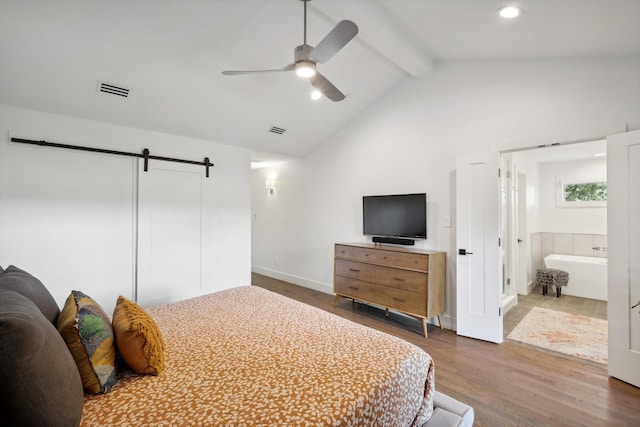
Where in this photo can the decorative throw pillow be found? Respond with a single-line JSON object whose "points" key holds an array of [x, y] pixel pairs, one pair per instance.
{"points": [[138, 338], [88, 333], [40, 383], [17, 280]]}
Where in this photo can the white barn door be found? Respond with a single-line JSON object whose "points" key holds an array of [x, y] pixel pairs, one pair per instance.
{"points": [[478, 292], [171, 202], [623, 228]]}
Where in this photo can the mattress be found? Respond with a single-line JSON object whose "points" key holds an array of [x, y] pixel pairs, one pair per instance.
{"points": [[250, 357]]}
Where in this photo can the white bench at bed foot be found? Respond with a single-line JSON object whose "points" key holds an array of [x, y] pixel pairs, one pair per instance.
{"points": [[449, 412]]}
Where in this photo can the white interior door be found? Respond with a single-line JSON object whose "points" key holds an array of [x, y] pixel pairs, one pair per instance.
{"points": [[623, 228], [522, 239], [507, 227], [170, 232], [478, 292]]}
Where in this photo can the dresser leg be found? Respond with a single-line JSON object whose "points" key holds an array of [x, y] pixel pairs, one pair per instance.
{"points": [[440, 321], [424, 328], [335, 301]]}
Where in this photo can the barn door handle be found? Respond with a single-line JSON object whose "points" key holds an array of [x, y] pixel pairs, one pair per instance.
{"points": [[464, 252]]}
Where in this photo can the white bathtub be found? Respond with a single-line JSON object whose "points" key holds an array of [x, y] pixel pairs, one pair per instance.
{"points": [[587, 275]]}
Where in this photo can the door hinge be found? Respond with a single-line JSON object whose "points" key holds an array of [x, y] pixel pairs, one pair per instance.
{"points": [[499, 311], [498, 242], [508, 281], [498, 172]]}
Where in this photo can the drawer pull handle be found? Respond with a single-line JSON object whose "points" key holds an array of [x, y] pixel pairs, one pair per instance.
{"points": [[353, 287], [355, 270], [398, 299], [397, 279]]}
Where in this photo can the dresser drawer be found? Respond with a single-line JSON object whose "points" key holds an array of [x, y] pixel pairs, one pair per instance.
{"points": [[356, 254], [401, 300], [356, 270], [384, 296], [355, 288], [411, 281], [404, 260]]}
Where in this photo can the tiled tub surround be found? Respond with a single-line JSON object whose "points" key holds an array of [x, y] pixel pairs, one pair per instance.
{"points": [[543, 244]]}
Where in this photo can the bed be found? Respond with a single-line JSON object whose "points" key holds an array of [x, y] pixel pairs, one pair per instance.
{"points": [[248, 356], [240, 357]]}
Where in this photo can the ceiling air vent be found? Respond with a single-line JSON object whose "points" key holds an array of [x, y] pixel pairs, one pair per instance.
{"points": [[113, 89], [275, 129]]}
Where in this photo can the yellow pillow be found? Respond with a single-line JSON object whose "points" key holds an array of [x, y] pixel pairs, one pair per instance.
{"points": [[138, 338]]}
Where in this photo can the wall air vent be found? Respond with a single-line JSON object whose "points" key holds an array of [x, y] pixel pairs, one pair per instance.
{"points": [[275, 129], [113, 89]]}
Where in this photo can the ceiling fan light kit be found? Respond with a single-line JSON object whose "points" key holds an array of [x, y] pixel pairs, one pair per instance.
{"points": [[510, 12], [305, 69], [306, 57]]}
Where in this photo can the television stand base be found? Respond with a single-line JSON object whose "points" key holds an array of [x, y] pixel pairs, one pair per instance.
{"points": [[394, 240]]}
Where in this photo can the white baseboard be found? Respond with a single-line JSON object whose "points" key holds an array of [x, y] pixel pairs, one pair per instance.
{"points": [[448, 322], [509, 302], [529, 287], [296, 280]]}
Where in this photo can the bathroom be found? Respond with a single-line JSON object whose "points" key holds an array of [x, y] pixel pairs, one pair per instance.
{"points": [[548, 222]]}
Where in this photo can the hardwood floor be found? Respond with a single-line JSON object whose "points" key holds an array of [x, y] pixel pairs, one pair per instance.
{"points": [[509, 384]]}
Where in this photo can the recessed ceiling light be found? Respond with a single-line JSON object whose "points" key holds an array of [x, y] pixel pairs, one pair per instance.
{"points": [[316, 94], [510, 12]]}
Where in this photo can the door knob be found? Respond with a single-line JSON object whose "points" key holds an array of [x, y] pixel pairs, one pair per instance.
{"points": [[520, 240], [464, 252]]}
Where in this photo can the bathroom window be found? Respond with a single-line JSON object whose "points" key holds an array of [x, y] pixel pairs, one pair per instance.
{"points": [[582, 194]]}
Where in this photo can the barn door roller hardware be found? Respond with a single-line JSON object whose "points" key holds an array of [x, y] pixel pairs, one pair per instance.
{"points": [[144, 155]]}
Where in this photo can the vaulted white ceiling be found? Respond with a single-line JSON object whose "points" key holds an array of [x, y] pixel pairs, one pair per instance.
{"points": [[171, 55]]}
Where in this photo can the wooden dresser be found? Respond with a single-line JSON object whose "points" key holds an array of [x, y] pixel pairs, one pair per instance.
{"points": [[410, 281]]}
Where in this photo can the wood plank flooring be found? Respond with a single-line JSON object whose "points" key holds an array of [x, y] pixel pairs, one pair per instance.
{"points": [[509, 384]]}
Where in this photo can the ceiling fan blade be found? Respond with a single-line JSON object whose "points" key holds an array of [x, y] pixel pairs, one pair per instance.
{"points": [[289, 67], [321, 83], [334, 41]]}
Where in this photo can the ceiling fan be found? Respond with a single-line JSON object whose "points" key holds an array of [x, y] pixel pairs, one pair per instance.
{"points": [[305, 57]]}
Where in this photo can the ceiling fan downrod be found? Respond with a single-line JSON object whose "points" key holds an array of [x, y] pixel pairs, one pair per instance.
{"points": [[305, 21]]}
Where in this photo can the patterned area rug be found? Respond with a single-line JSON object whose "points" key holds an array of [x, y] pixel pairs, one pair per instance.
{"points": [[579, 336]]}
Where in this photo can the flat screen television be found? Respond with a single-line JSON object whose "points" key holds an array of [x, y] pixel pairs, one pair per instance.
{"points": [[399, 215]]}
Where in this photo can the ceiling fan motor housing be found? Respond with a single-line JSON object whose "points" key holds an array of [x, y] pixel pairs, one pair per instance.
{"points": [[301, 53]]}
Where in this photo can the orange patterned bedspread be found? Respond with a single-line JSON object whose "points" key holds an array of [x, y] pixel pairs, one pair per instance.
{"points": [[249, 357]]}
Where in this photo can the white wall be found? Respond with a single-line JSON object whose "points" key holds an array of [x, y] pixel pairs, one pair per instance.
{"points": [[408, 142], [67, 217], [531, 169], [562, 219]]}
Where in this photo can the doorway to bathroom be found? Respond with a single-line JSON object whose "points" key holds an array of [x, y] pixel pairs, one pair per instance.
{"points": [[539, 221]]}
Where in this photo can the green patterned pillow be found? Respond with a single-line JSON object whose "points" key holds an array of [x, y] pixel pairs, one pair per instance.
{"points": [[88, 333]]}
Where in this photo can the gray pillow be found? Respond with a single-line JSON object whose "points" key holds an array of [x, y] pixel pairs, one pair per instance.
{"points": [[17, 280], [40, 383]]}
